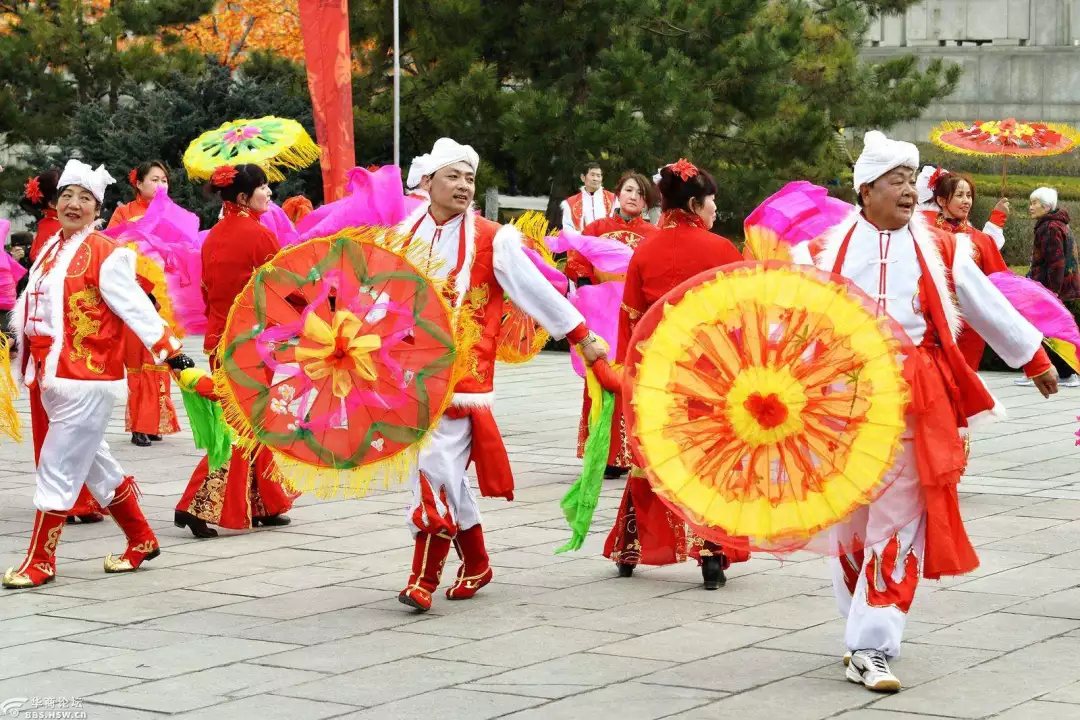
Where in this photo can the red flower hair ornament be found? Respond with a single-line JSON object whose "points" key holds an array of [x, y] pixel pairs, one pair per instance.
{"points": [[223, 177], [133, 177], [684, 169], [33, 190], [938, 174]]}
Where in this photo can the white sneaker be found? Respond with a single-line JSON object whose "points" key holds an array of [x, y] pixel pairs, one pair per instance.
{"points": [[1072, 382], [870, 668], [1024, 382]]}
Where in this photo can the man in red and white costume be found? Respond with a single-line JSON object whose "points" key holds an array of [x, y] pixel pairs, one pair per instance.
{"points": [[913, 272], [592, 203], [70, 321], [481, 262]]}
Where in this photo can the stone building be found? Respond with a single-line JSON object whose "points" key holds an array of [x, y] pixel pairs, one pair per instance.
{"points": [[1021, 58]]}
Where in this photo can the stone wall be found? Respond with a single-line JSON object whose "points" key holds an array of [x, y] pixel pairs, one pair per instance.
{"points": [[1021, 58]]}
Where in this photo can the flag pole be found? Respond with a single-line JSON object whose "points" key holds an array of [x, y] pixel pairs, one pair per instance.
{"points": [[397, 84]]}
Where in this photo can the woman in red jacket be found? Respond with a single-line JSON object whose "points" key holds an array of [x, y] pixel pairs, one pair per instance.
{"points": [[150, 411], [241, 494], [636, 194], [646, 531], [39, 200], [954, 195], [146, 179]]}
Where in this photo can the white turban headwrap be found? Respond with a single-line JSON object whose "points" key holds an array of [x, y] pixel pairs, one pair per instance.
{"points": [[447, 152], [417, 171], [929, 174], [881, 155], [79, 173]]}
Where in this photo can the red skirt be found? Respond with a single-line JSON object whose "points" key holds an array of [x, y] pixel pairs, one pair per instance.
{"points": [[150, 407], [646, 532], [619, 453], [230, 496]]}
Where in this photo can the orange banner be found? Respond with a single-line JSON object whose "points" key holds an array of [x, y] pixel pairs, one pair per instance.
{"points": [[325, 27]]}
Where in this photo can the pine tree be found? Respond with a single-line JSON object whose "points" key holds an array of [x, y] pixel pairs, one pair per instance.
{"points": [[159, 123], [754, 90]]}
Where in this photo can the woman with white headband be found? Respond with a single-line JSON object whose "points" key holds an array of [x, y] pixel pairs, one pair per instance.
{"points": [[70, 322]]}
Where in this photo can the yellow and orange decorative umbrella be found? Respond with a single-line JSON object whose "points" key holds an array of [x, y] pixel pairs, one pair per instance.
{"points": [[767, 401], [272, 143], [1006, 138]]}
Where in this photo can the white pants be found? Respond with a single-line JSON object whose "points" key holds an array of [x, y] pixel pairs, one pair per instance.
{"points": [[895, 526], [443, 462], [75, 452]]}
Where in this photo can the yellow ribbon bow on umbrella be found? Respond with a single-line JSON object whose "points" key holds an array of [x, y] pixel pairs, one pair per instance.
{"points": [[338, 351]]}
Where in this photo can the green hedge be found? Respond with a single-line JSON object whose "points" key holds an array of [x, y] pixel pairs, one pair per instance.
{"points": [[1018, 186]]}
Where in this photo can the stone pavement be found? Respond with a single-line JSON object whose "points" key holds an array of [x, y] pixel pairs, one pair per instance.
{"points": [[303, 621]]}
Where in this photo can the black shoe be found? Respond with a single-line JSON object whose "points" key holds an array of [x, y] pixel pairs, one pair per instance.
{"points": [[154, 438], [271, 521], [198, 527], [85, 519], [140, 440], [712, 572], [613, 472], [626, 570]]}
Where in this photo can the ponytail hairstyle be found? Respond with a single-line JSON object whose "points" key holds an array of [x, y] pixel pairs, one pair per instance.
{"points": [[40, 192], [232, 181], [680, 183]]}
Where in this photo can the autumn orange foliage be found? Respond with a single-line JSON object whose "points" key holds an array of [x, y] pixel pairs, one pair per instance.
{"points": [[237, 28]]}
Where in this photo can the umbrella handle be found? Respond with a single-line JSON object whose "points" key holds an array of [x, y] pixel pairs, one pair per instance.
{"points": [[609, 379]]}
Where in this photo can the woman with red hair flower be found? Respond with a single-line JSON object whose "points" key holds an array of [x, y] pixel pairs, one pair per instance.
{"points": [[147, 179], [645, 530], [39, 200], [242, 494]]}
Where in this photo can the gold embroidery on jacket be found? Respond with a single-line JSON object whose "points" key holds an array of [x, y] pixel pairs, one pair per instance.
{"points": [[79, 306]]}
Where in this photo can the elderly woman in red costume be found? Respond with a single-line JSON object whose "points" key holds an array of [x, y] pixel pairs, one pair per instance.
{"points": [[82, 293], [629, 226], [242, 494], [646, 531], [40, 200], [953, 196], [150, 411]]}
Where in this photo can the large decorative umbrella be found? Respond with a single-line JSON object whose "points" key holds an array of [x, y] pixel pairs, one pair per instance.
{"points": [[1005, 138], [767, 401], [338, 357], [270, 142]]}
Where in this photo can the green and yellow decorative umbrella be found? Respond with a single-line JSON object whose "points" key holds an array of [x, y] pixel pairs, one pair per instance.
{"points": [[270, 142]]}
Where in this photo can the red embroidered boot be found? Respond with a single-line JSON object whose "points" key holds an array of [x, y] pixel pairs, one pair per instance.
{"points": [[429, 556], [142, 544], [40, 564], [475, 571]]}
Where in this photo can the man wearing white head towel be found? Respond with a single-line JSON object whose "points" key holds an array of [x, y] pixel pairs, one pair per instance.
{"points": [[417, 171], [482, 263], [913, 272], [70, 321]]}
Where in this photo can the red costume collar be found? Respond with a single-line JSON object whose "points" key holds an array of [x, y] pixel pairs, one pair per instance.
{"points": [[681, 218], [953, 226], [231, 209]]}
